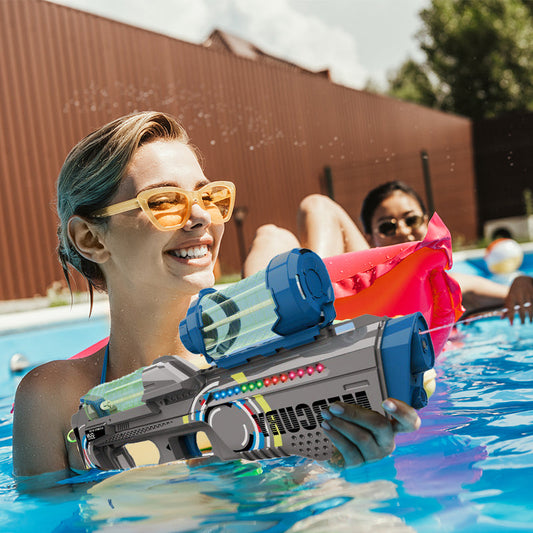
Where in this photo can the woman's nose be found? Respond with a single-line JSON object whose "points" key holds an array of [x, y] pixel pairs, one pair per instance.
{"points": [[199, 216], [404, 229]]}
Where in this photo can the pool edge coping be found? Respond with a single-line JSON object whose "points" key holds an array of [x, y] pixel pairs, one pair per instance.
{"points": [[18, 322]]}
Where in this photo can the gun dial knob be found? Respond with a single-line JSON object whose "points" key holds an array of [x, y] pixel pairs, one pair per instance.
{"points": [[234, 425]]}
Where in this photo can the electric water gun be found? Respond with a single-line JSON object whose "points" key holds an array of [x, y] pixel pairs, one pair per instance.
{"points": [[277, 360]]}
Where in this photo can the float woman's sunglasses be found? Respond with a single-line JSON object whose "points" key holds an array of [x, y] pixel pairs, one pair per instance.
{"points": [[389, 228], [169, 208]]}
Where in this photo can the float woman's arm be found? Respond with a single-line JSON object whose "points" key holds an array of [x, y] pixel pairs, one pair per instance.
{"points": [[520, 295]]}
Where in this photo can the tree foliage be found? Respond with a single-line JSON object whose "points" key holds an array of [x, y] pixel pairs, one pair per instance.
{"points": [[479, 58]]}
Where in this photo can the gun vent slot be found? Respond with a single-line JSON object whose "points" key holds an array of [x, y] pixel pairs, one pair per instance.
{"points": [[357, 385], [133, 433], [122, 426]]}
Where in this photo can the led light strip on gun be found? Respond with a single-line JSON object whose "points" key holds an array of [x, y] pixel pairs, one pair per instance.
{"points": [[277, 359]]}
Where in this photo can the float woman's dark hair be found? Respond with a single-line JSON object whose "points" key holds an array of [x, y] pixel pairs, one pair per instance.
{"points": [[92, 173], [377, 195]]}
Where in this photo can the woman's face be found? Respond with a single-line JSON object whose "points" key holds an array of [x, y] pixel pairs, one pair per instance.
{"points": [[398, 219], [165, 263]]}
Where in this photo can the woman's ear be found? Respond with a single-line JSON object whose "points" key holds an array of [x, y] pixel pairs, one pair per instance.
{"points": [[87, 239]]}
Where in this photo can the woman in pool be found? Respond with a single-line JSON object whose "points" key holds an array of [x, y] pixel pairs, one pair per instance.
{"points": [[392, 213], [120, 196]]}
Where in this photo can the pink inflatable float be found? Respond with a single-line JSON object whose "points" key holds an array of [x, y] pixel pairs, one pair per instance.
{"points": [[400, 279]]}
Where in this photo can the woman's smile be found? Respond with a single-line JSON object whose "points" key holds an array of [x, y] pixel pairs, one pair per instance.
{"points": [[194, 253]]}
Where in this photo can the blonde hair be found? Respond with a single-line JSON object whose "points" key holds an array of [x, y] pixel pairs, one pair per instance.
{"points": [[91, 175]]}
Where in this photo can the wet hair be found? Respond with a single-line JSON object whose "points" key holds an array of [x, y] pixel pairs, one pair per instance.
{"points": [[377, 195], [91, 175]]}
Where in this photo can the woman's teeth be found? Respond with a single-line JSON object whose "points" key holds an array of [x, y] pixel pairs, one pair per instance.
{"points": [[194, 252]]}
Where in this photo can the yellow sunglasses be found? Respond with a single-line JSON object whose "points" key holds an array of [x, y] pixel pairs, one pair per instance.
{"points": [[169, 208]]}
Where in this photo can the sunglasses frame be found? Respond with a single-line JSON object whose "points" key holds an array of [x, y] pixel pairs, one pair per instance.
{"points": [[141, 202], [396, 222]]}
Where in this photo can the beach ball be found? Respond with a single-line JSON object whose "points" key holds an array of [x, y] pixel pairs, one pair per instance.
{"points": [[503, 256]]}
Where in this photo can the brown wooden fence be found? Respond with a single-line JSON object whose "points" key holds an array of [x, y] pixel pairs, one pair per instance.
{"points": [[272, 130]]}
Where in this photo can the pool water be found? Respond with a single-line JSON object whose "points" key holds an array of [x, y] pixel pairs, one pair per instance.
{"points": [[468, 469]]}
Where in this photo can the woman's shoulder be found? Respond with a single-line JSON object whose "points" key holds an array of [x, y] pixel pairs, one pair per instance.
{"points": [[49, 395], [59, 378], [45, 374]]}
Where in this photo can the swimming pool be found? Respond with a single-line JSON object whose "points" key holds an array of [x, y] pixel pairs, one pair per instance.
{"points": [[468, 468]]}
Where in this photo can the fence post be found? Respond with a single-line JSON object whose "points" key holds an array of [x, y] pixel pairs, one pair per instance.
{"points": [[427, 182], [239, 214], [328, 177]]}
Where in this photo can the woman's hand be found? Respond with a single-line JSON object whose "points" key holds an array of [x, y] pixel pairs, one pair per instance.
{"points": [[361, 435], [520, 295]]}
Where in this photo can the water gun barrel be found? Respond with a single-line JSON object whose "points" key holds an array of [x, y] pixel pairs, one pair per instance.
{"points": [[402, 338]]}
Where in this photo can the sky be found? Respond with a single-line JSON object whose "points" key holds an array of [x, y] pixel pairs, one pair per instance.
{"points": [[355, 39]]}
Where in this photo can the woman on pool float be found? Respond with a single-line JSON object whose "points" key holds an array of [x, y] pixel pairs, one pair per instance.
{"points": [[139, 220], [392, 213]]}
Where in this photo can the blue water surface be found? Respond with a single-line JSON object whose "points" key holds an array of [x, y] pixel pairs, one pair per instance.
{"points": [[468, 469]]}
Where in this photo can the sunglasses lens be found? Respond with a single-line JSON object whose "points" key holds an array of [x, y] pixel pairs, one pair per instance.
{"points": [[388, 228], [169, 208], [218, 201], [414, 221]]}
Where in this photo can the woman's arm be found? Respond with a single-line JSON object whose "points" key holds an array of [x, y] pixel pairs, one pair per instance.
{"points": [[478, 291], [38, 422]]}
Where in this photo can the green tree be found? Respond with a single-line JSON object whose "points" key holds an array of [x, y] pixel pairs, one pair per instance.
{"points": [[479, 58], [412, 83]]}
